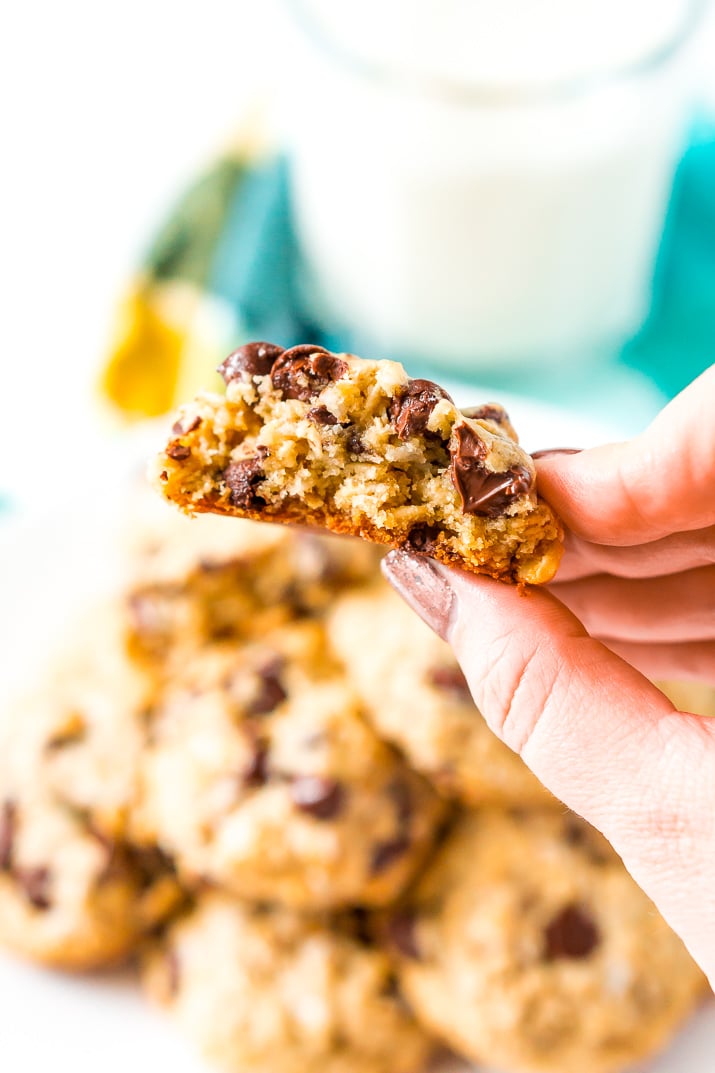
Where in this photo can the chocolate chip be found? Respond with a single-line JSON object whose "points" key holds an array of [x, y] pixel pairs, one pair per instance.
{"points": [[178, 451], [353, 442], [322, 416], [256, 771], [242, 477], [179, 429], [8, 828], [410, 409], [487, 413], [150, 862], [571, 934], [34, 883], [321, 798], [450, 679], [270, 691], [361, 926], [384, 854], [423, 538], [303, 371], [481, 491], [402, 934], [254, 359]]}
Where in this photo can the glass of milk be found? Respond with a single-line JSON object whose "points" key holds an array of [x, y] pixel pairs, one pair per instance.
{"points": [[485, 184]]}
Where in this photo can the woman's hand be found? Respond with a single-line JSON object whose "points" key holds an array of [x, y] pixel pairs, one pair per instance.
{"points": [[559, 674]]}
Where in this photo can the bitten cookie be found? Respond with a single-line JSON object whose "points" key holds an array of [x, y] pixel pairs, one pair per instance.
{"points": [[358, 447], [418, 699], [264, 777], [264, 990], [528, 946]]}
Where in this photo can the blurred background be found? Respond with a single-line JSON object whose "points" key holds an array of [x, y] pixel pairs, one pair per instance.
{"points": [[522, 202]]}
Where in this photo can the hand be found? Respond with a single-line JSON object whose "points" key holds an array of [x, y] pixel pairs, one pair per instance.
{"points": [[570, 695]]}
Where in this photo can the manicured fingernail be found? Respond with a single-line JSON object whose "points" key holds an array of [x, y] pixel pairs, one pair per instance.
{"points": [[423, 586], [548, 451]]}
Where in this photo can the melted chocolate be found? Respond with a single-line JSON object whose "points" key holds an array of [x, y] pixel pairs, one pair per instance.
{"points": [[253, 359], [481, 491], [303, 371], [410, 409], [242, 478]]}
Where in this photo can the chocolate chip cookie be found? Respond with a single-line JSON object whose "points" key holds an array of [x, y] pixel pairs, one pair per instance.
{"points": [[69, 897], [528, 946], [260, 991], [193, 581], [83, 726], [307, 436], [418, 699], [263, 776]]}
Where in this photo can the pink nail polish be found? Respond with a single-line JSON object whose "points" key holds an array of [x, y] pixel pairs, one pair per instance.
{"points": [[548, 451], [423, 586]]}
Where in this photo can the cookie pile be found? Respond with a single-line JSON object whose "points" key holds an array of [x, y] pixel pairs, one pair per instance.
{"points": [[258, 773]]}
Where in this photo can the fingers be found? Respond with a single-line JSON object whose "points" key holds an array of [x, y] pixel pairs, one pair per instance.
{"points": [[656, 484], [690, 661], [597, 733], [679, 607], [670, 555]]}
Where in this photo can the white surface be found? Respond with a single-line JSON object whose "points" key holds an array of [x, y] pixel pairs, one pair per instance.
{"points": [[50, 564]]}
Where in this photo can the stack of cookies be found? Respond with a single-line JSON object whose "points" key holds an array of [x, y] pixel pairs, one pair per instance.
{"points": [[257, 772]]}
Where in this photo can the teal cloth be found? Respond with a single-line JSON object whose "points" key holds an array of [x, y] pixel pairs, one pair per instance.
{"points": [[678, 340]]}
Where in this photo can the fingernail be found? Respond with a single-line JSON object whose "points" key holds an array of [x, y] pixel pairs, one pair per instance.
{"points": [[548, 451], [423, 586]]}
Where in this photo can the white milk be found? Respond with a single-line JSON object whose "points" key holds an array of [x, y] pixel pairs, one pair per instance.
{"points": [[486, 182]]}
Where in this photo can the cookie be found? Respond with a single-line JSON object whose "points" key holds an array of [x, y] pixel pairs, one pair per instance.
{"points": [[192, 581], [528, 946], [263, 776], [358, 447], [261, 990], [70, 898], [83, 726], [418, 699]]}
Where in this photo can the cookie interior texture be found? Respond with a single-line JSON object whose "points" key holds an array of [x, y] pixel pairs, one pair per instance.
{"points": [[358, 447]]}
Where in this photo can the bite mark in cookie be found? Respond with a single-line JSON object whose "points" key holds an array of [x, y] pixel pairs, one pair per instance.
{"points": [[309, 437]]}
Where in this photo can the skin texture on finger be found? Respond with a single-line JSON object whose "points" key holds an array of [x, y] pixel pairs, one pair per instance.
{"points": [[669, 555], [679, 607], [658, 483], [597, 734], [692, 661]]}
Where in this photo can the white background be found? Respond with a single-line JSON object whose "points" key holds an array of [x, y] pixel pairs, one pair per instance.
{"points": [[107, 110]]}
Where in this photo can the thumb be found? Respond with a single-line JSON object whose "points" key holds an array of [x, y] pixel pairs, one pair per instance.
{"points": [[600, 736]]}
